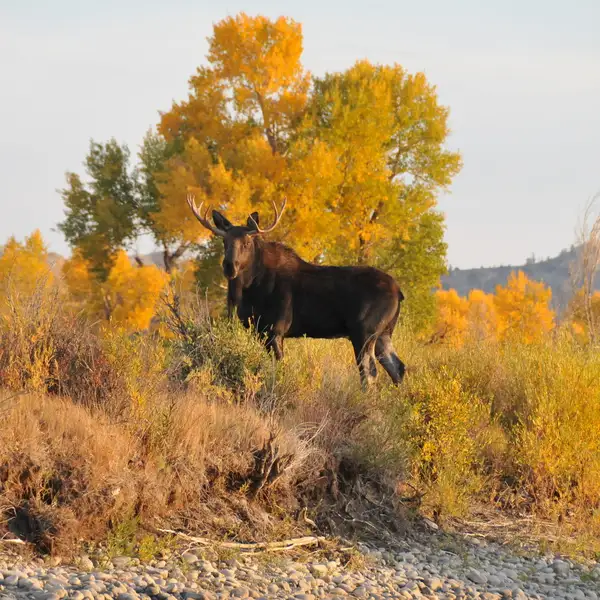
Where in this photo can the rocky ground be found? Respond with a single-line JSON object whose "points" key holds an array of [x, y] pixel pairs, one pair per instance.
{"points": [[417, 569]]}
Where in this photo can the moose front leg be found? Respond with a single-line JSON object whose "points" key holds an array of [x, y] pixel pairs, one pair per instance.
{"points": [[275, 343], [281, 312], [234, 296]]}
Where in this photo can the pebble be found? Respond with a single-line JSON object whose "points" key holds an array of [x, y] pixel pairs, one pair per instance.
{"points": [[418, 570]]}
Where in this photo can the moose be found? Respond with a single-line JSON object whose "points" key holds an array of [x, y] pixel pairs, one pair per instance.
{"points": [[283, 296]]}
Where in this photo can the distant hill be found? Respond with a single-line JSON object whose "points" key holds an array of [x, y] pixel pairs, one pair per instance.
{"points": [[554, 272]]}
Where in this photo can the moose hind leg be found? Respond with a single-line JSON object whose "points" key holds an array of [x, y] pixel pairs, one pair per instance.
{"points": [[387, 357], [365, 359]]}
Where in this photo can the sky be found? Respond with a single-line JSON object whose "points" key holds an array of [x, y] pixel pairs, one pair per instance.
{"points": [[521, 78]]}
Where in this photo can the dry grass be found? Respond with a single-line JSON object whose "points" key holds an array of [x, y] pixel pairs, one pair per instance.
{"points": [[70, 474], [118, 434]]}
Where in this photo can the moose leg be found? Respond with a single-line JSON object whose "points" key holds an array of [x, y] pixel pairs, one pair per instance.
{"points": [[234, 296], [275, 343], [365, 359], [387, 357]]}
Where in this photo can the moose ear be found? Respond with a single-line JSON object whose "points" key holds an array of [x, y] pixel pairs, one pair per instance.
{"points": [[252, 222], [220, 221]]}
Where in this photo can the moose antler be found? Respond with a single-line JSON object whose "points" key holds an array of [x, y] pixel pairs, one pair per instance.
{"points": [[278, 214], [203, 220]]}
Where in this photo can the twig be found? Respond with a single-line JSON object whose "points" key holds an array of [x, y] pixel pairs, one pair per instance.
{"points": [[20, 542], [255, 546]]}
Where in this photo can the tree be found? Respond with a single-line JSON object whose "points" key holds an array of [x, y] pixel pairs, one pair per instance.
{"points": [[153, 156], [452, 317], [360, 156], [24, 266], [584, 270], [101, 216], [129, 296], [523, 308], [482, 316], [386, 130], [132, 293], [584, 313], [360, 160]]}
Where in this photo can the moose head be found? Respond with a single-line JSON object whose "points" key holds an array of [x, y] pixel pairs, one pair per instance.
{"points": [[238, 240]]}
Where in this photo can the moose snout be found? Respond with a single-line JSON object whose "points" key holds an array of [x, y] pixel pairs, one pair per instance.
{"points": [[230, 269]]}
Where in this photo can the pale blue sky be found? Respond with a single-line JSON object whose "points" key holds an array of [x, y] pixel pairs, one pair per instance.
{"points": [[522, 79]]}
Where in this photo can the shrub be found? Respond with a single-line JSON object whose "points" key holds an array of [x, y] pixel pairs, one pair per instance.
{"points": [[27, 347], [443, 428], [220, 352]]}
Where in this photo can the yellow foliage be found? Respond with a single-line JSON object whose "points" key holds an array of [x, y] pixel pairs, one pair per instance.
{"points": [[523, 308], [24, 266], [346, 158], [133, 292], [519, 311], [452, 318], [482, 316], [445, 414], [585, 315], [77, 276], [129, 297], [194, 171], [262, 58]]}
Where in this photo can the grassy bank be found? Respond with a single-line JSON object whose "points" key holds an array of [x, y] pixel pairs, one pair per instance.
{"points": [[106, 437]]}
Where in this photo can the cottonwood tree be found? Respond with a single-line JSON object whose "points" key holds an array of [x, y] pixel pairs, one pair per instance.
{"points": [[128, 297], [360, 155], [24, 267], [523, 308]]}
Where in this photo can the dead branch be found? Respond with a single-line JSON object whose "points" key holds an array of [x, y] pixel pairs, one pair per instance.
{"points": [[585, 268], [269, 466], [280, 546]]}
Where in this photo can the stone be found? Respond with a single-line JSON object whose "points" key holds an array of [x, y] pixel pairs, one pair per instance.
{"points": [[319, 569], [511, 574], [560, 567], [339, 592], [434, 584], [476, 576], [121, 561]]}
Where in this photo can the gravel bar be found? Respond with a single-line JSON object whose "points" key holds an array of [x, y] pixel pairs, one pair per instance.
{"points": [[418, 570]]}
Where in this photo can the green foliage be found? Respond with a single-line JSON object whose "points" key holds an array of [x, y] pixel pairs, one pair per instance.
{"points": [[121, 539], [209, 273], [222, 351], [417, 263], [101, 216], [361, 157]]}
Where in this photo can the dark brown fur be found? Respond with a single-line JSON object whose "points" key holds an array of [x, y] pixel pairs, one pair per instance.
{"points": [[283, 296]]}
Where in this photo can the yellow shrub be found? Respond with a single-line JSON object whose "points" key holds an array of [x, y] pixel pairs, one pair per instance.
{"points": [[443, 428]]}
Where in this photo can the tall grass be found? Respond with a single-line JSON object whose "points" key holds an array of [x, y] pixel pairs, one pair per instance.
{"points": [[114, 427]]}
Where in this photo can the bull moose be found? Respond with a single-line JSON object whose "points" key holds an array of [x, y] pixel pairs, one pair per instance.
{"points": [[282, 295]]}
